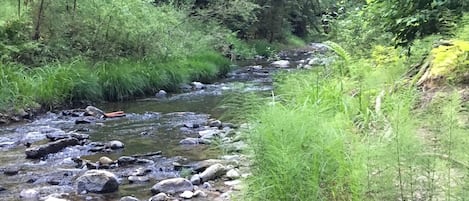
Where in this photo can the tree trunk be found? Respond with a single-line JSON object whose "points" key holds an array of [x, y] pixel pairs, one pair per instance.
{"points": [[19, 8], [37, 31]]}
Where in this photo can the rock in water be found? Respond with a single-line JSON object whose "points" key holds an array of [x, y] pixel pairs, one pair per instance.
{"points": [[213, 172], [172, 186], [197, 85], [161, 94], [281, 64], [115, 144], [159, 197], [29, 195], [129, 198], [94, 111], [97, 181], [105, 161]]}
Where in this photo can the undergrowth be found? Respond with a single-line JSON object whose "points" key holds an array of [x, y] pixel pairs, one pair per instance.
{"points": [[357, 130]]}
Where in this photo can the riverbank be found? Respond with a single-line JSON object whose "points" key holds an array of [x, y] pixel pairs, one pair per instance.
{"points": [[25, 91], [184, 137], [381, 127]]}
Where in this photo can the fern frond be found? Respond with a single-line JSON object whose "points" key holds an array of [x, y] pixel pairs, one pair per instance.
{"points": [[341, 52]]}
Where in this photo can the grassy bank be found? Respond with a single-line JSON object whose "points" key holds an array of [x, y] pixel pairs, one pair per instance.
{"points": [[360, 129], [81, 82]]}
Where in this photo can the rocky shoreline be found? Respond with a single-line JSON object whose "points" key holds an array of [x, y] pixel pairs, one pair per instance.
{"points": [[64, 159]]}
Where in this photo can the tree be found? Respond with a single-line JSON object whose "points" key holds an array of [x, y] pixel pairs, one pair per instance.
{"points": [[411, 19]]}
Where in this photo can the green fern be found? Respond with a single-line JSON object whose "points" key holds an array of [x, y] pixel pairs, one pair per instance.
{"points": [[341, 52]]}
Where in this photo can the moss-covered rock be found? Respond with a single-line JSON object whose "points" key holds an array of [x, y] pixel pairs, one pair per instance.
{"points": [[448, 62]]}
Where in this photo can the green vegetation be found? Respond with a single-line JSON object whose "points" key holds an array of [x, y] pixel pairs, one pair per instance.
{"points": [[363, 128], [386, 121], [61, 52]]}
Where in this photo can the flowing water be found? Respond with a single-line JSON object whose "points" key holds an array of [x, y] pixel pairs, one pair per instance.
{"points": [[150, 125]]}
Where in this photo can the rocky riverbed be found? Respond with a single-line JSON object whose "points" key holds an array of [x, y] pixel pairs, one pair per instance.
{"points": [[167, 147]]}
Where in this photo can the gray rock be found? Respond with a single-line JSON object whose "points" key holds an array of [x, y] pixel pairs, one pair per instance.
{"points": [[213, 172], [197, 85], [258, 67], [29, 195], [215, 123], [172, 186], [97, 181], [62, 135], [52, 147], [159, 197], [202, 165], [161, 94], [185, 87], [2, 188], [115, 144], [129, 198], [94, 111], [126, 160], [233, 174], [195, 179], [191, 125], [229, 125], [194, 141], [10, 171], [186, 195], [199, 193], [207, 185], [281, 64], [140, 172]]}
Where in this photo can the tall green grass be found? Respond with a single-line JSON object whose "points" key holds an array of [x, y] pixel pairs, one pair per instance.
{"points": [[81, 82], [360, 135]]}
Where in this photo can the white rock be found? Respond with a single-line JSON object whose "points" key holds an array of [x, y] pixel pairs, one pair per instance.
{"points": [[281, 63], [159, 197], [29, 195], [199, 193], [186, 195], [232, 183], [233, 174], [213, 172]]}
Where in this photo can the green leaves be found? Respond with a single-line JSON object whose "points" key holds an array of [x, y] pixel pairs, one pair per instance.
{"points": [[413, 19]]}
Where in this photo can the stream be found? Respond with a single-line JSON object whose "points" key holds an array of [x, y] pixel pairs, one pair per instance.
{"points": [[152, 133]]}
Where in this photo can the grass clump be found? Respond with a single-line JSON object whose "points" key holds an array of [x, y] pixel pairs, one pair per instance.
{"points": [[299, 156]]}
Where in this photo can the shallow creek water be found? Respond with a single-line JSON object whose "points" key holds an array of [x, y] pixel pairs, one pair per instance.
{"points": [[150, 125]]}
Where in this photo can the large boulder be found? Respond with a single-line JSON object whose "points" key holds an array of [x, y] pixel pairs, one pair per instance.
{"points": [[52, 147], [172, 186], [97, 181]]}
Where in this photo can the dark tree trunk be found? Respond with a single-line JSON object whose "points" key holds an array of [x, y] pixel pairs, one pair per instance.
{"points": [[37, 29], [19, 8]]}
